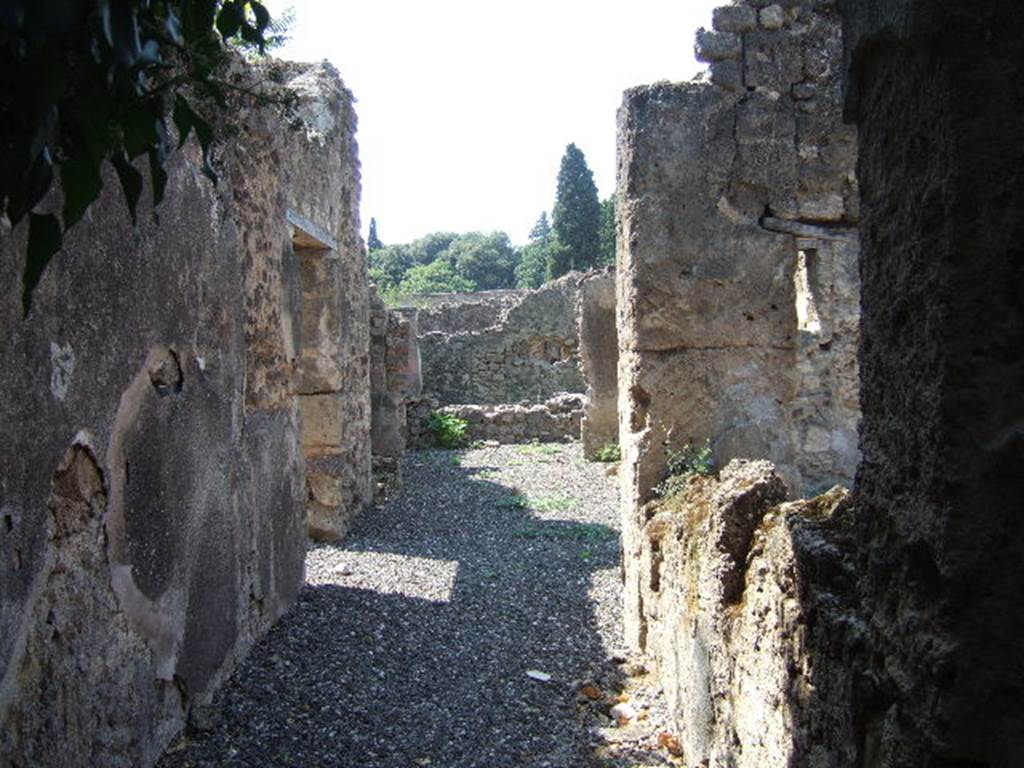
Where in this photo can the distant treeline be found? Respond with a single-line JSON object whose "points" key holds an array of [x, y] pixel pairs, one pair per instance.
{"points": [[581, 235]]}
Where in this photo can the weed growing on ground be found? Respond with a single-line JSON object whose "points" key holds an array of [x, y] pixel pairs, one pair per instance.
{"points": [[609, 452], [558, 502], [515, 501], [682, 465], [584, 532], [448, 429], [456, 460], [535, 446]]}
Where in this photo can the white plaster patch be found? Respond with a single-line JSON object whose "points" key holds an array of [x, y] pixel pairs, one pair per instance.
{"points": [[62, 365]]}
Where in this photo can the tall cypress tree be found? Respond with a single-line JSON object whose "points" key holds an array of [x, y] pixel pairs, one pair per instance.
{"points": [[373, 242], [577, 213]]}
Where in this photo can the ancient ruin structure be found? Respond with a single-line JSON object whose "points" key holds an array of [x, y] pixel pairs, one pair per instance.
{"points": [[395, 379], [935, 90], [502, 346], [156, 404], [599, 358], [867, 630]]}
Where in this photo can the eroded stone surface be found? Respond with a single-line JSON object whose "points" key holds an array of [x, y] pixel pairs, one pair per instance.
{"points": [[502, 346], [599, 358], [152, 517], [743, 598], [738, 284]]}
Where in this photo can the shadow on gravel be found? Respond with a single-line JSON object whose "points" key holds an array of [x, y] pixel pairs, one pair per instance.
{"points": [[374, 677]]}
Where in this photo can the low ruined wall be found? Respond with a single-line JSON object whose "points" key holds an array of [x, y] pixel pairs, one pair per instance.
{"points": [[152, 513], [462, 312], [743, 599], [492, 351], [557, 419], [599, 357], [737, 312]]}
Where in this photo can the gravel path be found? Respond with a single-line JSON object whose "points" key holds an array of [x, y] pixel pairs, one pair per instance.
{"points": [[472, 621]]}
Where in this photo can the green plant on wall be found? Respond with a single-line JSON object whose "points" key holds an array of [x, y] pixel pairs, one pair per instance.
{"points": [[609, 452], [683, 464], [448, 429]]}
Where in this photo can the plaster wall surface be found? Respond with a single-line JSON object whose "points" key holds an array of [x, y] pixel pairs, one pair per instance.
{"points": [[152, 492]]}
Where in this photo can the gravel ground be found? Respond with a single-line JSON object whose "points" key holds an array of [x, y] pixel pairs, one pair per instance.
{"points": [[472, 621]]}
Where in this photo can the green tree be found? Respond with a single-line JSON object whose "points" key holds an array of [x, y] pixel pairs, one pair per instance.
{"points": [[88, 82], [531, 270], [559, 260], [606, 233], [388, 265], [429, 247], [373, 242], [436, 277], [576, 216], [486, 260]]}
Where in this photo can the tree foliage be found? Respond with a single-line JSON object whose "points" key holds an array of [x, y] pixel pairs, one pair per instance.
{"points": [[533, 259], [436, 277], [606, 233], [576, 216], [472, 261], [92, 81], [373, 242]]}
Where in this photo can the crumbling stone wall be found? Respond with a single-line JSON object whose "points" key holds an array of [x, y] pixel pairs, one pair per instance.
{"points": [[394, 380], [555, 420], [152, 493], [935, 89], [599, 357], [744, 599], [493, 350], [737, 283], [461, 312]]}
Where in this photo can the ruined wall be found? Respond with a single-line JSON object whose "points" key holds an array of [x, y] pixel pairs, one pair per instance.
{"points": [[599, 358], [494, 351], [743, 599], [935, 89], [555, 420], [152, 498], [394, 379], [460, 312], [737, 279]]}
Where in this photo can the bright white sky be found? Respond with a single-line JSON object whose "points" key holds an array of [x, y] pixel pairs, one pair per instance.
{"points": [[466, 106]]}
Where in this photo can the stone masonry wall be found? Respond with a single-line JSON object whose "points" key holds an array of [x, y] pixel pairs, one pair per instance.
{"points": [[558, 419], [737, 277], [935, 89], [495, 350], [599, 356], [394, 380], [152, 494], [746, 601]]}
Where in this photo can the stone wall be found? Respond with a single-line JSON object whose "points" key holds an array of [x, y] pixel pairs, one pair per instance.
{"points": [[394, 379], [599, 357], [152, 494], [935, 89], [743, 600], [555, 420], [737, 284], [503, 347]]}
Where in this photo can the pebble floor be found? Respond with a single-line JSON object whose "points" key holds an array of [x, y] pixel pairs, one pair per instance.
{"points": [[473, 620]]}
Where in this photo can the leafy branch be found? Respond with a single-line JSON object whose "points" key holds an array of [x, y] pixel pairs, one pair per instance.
{"points": [[91, 81]]}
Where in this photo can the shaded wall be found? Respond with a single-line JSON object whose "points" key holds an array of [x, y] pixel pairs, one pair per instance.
{"points": [[152, 501], [935, 89]]}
